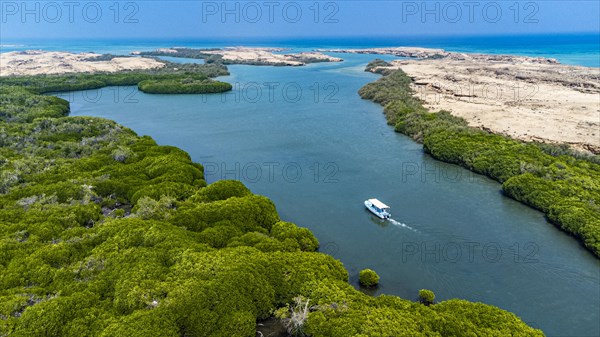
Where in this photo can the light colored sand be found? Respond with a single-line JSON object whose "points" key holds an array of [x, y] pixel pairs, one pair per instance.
{"points": [[36, 62], [521, 97], [558, 104], [269, 56], [397, 51], [422, 53]]}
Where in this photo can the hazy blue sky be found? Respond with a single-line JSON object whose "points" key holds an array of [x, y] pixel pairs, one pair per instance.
{"points": [[288, 19]]}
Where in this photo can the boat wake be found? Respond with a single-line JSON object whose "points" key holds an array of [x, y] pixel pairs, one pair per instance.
{"points": [[400, 224]]}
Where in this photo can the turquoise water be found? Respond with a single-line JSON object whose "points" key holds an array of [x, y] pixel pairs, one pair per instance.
{"points": [[304, 138], [577, 49]]}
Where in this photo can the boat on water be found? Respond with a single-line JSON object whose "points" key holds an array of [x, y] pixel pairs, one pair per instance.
{"points": [[378, 208]]}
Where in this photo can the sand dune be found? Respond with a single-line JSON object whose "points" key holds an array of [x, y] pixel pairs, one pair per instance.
{"points": [[36, 62]]}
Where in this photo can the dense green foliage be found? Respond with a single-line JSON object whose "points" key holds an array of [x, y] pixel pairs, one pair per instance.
{"points": [[71, 264], [566, 188], [185, 77], [105, 233], [183, 85], [374, 66], [368, 278], [189, 53], [426, 297], [338, 310]]}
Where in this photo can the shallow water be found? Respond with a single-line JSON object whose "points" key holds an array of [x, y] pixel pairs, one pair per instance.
{"points": [[303, 137]]}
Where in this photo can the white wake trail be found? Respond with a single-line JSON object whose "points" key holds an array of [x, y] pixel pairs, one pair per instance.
{"points": [[400, 224]]}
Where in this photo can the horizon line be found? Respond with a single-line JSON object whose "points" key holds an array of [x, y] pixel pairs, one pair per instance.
{"points": [[301, 37]]}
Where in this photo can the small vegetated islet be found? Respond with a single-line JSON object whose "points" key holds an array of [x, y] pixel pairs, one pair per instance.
{"points": [[368, 278]]}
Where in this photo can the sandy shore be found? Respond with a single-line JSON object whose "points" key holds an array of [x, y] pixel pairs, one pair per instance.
{"points": [[36, 62], [250, 55], [432, 53], [521, 97]]}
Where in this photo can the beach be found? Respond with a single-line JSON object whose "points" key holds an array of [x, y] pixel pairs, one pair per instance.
{"points": [[37, 62]]}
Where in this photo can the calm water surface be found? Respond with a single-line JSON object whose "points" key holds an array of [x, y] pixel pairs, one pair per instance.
{"points": [[304, 138]]}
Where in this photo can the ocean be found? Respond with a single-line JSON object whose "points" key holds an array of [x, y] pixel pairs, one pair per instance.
{"points": [[576, 49]]}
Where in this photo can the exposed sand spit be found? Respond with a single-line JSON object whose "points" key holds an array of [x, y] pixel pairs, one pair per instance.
{"points": [[249, 55], [37, 62]]}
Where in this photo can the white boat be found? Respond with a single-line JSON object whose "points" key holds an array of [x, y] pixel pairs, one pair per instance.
{"points": [[378, 208]]}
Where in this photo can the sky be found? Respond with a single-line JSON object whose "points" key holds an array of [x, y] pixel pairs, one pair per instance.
{"points": [[290, 19]]}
